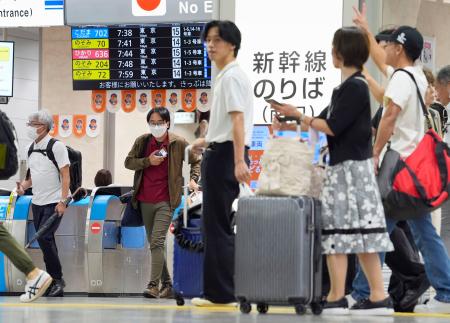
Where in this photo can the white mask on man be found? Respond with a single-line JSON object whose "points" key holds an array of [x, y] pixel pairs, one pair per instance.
{"points": [[32, 133], [158, 131]]}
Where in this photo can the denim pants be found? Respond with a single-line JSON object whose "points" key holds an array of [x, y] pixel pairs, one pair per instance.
{"points": [[434, 253]]}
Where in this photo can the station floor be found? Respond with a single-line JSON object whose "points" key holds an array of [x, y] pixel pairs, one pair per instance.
{"points": [[134, 310]]}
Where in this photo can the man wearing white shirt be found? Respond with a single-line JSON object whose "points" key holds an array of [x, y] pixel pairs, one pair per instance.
{"points": [[402, 124], [225, 161], [50, 180]]}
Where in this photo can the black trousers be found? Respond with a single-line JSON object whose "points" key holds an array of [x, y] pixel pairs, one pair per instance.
{"points": [[220, 189], [47, 242]]}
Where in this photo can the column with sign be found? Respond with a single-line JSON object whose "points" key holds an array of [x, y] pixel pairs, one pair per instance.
{"points": [[90, 54]]}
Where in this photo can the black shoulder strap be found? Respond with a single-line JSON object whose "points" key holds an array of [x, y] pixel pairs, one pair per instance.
{"points": [[50, 153], [30, 150], [422, 103]]}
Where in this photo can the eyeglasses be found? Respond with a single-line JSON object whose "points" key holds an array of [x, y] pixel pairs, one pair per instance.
{"points": [[158, 123], [34, 124]]}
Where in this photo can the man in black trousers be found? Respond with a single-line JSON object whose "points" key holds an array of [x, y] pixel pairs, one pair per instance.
{"points": [[225, 161]]}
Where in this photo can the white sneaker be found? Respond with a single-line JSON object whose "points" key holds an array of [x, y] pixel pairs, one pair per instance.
{"points": [[35, 288], [351, 301], [433, 306], [202, 302]]}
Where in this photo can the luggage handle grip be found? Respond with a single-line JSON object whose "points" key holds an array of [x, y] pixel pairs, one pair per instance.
{"points": [[186, 177]]}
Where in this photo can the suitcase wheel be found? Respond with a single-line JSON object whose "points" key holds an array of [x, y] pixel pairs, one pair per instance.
{"points": [[316, 308], [245, 307], [179, 299], [300, 309], [262, 308]]}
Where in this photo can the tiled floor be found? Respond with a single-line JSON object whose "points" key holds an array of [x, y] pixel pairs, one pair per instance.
{"points": [[134, 310]]}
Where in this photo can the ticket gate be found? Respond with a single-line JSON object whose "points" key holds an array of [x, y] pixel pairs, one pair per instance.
{"points": [[70, 239], [118, 257], [7, 201]]}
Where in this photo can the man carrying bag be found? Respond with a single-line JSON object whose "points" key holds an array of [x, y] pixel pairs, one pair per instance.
{"points": [[403, 126]]}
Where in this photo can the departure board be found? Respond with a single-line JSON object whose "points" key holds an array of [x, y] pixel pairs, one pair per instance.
{"points": [[160, 56]]}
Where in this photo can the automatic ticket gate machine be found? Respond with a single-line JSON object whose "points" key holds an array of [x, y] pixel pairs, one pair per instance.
{"points": [[70, 239], [118, 257], [7, 203]]}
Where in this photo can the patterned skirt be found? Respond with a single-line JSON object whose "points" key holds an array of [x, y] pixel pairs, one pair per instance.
{"points": [[352, 213]]}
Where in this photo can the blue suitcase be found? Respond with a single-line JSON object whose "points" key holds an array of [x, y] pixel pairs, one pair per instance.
{"points": [[188, 248]]}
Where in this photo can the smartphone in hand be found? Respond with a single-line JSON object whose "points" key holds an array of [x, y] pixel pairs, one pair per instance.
{"points": [[272, 101]]}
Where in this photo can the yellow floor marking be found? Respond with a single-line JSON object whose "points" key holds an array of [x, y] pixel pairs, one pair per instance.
{"points": [[273, 310]]}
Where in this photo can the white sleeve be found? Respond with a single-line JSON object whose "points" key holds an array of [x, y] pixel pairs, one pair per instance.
{"points": [[234, 95], [61, 154], [389, 71], [399, 89]]}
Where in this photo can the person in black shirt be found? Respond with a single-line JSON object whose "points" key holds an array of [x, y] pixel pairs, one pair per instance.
{"points": [[352, 214]]}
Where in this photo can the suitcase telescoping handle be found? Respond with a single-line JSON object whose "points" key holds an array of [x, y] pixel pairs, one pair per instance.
{"points": [[186, 172]]}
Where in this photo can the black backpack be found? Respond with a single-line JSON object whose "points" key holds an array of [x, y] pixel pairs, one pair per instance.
{"points": [[75, 163], [9, 163]]}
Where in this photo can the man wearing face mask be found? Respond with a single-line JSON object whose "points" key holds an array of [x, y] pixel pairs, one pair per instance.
{"points": [[157, 159], [50, 189]]}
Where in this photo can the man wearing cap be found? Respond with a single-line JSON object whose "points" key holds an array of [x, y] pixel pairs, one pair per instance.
{"points": [[402, 125]]}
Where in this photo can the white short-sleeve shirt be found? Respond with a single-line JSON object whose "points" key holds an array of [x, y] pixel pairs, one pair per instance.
{"points": [[44, 175], [410, 125], [232, 91]]}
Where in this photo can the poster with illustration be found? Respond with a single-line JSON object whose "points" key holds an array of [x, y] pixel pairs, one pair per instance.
{"points": [[98, 101], [173, 101], [203, 100], [428, 56], [92, 126], [54, 130], [79, 125], [158, 98], [65, 126], [114, 99], [143, 100], [128, 100], [189, 98]]}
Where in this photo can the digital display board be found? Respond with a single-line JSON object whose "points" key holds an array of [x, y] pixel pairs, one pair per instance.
{"points": [[159, 56], [6, 68]]}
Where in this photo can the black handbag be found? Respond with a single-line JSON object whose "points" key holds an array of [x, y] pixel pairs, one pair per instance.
{"points": [[131, 217]]}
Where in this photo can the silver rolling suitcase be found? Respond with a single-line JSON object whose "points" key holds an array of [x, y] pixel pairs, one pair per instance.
{"points": [[278, 253]]}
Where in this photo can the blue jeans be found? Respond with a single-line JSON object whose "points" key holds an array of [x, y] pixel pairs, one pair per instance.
{"points": [[434, 253]]}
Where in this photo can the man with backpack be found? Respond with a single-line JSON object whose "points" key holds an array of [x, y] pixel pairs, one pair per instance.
{"points": [[402, 124], [49, 176]]}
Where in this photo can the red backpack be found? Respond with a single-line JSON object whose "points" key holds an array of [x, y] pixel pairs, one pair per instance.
{"points": [[415, 186]]}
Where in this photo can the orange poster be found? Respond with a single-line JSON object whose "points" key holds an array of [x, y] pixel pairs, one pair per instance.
{"points": [[79, 125], [54, 130], [98, 101], [128, 100], [158, 98], [188, 100]]}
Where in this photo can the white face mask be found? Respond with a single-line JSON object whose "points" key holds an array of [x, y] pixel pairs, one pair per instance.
{"points": [[32, 133], [158, 131]]}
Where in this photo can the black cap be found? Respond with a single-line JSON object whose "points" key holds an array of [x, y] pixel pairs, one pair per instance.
{"points": [[410, 38]]}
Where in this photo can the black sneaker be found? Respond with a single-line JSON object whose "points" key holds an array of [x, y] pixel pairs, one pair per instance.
{"points": [[367, 307], [57, 288], [339, 307]]}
